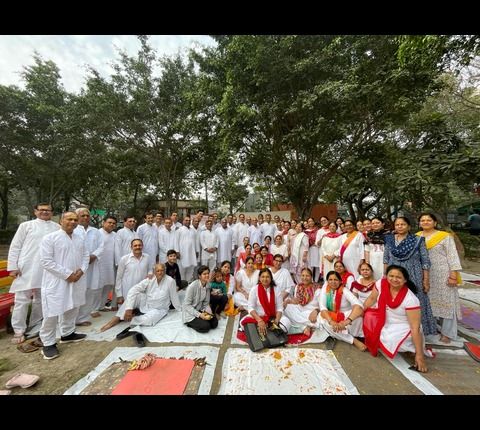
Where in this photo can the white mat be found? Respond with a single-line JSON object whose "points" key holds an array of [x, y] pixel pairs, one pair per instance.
{"points": [[470, 294], [435, 340], [172, 329], [209, 352], [413, 376], [93, 331], [283, 371], [450, 351], [318, 336], [469, 277]]}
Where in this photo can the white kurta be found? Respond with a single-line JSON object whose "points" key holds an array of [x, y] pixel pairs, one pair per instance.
{"points": [[60, 256], [330, 246], [149, 236], [208, 239], [283, 280], [313, 252], [225, 244], [185, 237], [299, 246], [298, 314], [240, 231], [131, 270], [247, 283], [396, 333], [166, 242], [348, 300], [376, 258], [268, 230], [94, 241], [107, 262], [255, 234], [198, 249], [23, 253], [123, 243], [353, 254], [153, 299]]}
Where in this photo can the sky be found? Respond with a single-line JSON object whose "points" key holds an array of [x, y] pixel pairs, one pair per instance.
{"points": [[72, 54]]}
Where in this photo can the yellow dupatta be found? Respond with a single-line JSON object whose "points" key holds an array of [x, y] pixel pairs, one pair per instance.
{"points": [[434, 240]]}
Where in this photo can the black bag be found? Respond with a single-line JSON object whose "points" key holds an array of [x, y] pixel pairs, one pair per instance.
{"points": [[275, 337]]}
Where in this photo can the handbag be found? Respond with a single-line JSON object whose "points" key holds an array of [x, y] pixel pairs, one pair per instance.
{"points": [[274, 337]]}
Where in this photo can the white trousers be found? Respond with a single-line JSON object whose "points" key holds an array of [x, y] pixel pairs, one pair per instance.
{"points": [[20, 309], [150, 318], [48, 332], [92, 299], [186, 273], [347, 335]]}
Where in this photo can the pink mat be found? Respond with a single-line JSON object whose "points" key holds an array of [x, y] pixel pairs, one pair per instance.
{"points": [[165, 376]]}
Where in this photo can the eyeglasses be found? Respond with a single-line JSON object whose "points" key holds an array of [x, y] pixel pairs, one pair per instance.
{"points": [[278, 261]]}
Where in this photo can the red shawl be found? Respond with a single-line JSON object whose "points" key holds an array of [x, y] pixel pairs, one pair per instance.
{"points": [[374, 319], [332, 235], [363, 288], [312, 236], [345, 276], [268, 305], [305, 293]]}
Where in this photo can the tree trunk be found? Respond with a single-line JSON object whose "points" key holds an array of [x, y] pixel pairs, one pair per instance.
{"points": [[206, 197]]}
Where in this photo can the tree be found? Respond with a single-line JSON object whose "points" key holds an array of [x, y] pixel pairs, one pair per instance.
{"points": [[295, 107]]}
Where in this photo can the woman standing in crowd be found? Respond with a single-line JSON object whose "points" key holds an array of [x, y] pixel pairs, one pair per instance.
{"points": [[299, 253], [352, 250], [375, 247], [313, 254], [444, 275], [347, 277], [406, 250], [396, 326], [330, 245], [340, 225], [280, 248]]}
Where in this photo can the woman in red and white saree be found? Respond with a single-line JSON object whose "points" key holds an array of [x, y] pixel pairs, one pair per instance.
{"points": [[394, 324]]}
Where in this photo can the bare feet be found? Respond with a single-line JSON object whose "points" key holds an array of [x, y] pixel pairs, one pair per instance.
{"points": [[95, 314], [83, 324], [113, 322], [18, 338], [445, 339], [360, 345], [307, 331]]}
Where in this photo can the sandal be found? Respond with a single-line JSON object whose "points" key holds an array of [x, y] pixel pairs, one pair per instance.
{"points": [[27, 347], [17, 339]]}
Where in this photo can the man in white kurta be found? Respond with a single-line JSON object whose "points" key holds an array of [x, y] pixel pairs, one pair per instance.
{"points": [[240, 231], [255, 232], [166, 240], [148, 232], [124, 237], [64, 257], [24, 265], [152, 297], [132, 269], [225, 242], [209, 245], [107, 262], [268, 229], [186, 255], [94, 242], [196, 229]]}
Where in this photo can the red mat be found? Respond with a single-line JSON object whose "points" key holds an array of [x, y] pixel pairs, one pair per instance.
{"points": [[473, 350], [292, 338], [165, 376]]}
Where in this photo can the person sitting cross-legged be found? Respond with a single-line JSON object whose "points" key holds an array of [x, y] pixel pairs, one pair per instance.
{"points": [[148, 301]]}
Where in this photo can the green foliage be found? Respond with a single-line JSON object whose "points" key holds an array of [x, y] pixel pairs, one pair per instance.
{"points": [[6, 236], [470, 243]]}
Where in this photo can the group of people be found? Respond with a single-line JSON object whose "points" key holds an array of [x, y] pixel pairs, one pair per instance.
{"points": [[67, 272]]}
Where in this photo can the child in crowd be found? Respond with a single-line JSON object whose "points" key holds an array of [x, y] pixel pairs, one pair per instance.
{"points": [[218, 295]]}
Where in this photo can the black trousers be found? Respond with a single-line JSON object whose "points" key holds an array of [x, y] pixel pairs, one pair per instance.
{"points": [[218, 302], [203, 326]]}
